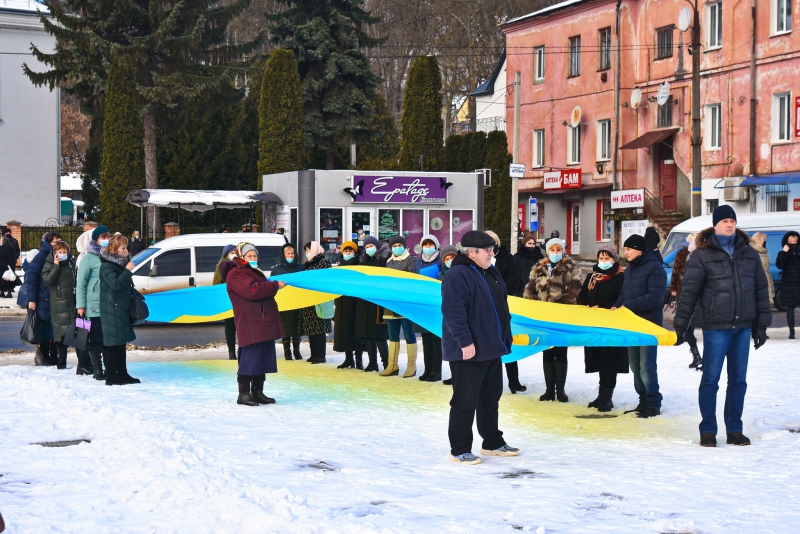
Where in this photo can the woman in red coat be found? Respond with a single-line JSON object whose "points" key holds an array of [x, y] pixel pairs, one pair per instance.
{"points": [[258, 323]]}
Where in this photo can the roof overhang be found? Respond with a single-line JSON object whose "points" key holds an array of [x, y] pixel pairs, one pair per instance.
{"points": [[193, 200], [781, 178], [649, 139]]}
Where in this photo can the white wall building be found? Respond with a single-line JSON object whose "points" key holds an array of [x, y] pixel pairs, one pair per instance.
{"points": [[30, 125], [490, 100]]}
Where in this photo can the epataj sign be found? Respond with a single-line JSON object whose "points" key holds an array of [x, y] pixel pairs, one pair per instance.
{"points": [[562, 180], [630, 198]]}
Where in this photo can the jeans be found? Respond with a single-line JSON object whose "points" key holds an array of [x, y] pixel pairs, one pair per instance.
{"points": [[477, 388], [408, 330], [717, 344], [645, 375]]}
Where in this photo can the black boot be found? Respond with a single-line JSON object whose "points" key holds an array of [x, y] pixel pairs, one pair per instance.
{"points": [[561, 379], [348, 362], [47, 357], [61, 354], [696, 358], [244, 393], [232, 354], [53, 351], [549, 380], [596, 402], [512, 371], [97, 362], [258, 392], [296, 345], [38, 358], [84, 366], [287, 348], [112, 367], [359, 361], [605, 404], [122, 370], [790, 321], [427, 351], [372, 355], [383, 350]]}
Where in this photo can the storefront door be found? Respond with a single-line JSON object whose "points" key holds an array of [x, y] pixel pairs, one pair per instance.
{"points": [[360, 225], [573, 228], [668, 175]]}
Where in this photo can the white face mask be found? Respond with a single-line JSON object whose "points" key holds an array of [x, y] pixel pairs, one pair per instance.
{"points": [[231, 256]]}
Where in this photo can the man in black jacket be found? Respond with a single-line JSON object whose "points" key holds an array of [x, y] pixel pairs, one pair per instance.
{"points": [[476, 333], [725, 276]]}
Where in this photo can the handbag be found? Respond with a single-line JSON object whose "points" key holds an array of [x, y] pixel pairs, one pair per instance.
{"points": [[325, 310], [31, 329], [77, 335], [139, 310], [669, 309]]}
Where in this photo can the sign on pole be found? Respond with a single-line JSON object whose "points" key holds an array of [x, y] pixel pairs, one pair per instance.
{"points": [[516, 170], [533, 215], [630, 198]]}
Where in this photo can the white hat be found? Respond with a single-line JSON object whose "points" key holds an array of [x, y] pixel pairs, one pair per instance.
{"points": [[556, 241]]}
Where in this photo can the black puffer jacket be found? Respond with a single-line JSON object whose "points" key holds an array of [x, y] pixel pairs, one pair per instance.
{"points": [[291, 318], [344, 318], [644, 286], [732, 291], [525, 259], [789, 264], [369, 316], [507, 265], [61, 278]]}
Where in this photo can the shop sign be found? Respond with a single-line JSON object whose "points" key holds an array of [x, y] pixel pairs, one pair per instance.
{"points": [[516, 170], [570, 179], [627, 198], [400, 189], [632, 227], [521, 216], [796, 204]]}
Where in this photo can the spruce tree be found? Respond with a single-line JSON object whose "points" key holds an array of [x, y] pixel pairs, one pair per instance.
{"points": [[452, 153], [477, 151], [123, 153], [497, 199], [422, 125], [382, 150], [464, 155], [329, 39]]}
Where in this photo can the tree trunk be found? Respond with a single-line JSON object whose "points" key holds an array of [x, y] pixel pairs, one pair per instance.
{"points": [[150, 170], [329, 159]]}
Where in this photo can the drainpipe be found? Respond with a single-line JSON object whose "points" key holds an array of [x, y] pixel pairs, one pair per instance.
{"points": [[617, 179], [753, 95]]}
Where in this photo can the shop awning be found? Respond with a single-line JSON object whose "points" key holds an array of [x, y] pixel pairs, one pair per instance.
{"points": [[649, 139], [781, 178], [192, 200]]}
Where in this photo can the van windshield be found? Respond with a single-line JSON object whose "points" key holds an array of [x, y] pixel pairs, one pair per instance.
{"points": [[674, 241], [143, 255]]}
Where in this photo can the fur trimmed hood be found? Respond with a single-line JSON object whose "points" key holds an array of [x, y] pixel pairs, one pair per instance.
{"points": [[703, 239]]}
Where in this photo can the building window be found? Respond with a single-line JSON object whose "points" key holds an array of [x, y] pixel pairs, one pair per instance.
{"points": [[781, 117], [664, 42], [714, 24], [604, 38], [782, 21], [714, 126], [711, 205], [538, 64], [664, 116], [604, 222], [574, 145], [604, 140], [777, 197], [538, 148], [575, 56]]}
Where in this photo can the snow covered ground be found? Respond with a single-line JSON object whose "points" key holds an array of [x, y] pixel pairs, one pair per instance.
{"points": [[344, 451]]}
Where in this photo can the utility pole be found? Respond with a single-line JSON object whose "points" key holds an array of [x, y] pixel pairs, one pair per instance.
{"points": [[697, 176], [515, 156]]}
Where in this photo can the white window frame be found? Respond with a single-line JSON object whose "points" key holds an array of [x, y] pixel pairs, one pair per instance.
{"points": [[539, 140], [574, 145], [780, 17], [782, 117], [713, 126], [604, 140], [713, 25], [539, 64], [574, 63]]}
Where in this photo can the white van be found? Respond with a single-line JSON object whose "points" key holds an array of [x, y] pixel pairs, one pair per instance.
{"points": [[190, 260]]}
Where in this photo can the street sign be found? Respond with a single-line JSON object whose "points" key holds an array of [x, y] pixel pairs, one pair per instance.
{"points": [[516, 170], [630, 198], [533, 215], [663, 94]]}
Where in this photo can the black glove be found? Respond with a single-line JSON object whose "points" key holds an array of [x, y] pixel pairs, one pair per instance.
{"points": [[681, 338], [760, 337]]}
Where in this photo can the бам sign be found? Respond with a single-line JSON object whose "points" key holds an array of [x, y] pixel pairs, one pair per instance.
{"points": [[562, 179]]}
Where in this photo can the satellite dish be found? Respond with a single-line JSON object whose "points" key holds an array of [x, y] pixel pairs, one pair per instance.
{"points": [[685, 18], [575, 116], [663, 93], [636, 98]]}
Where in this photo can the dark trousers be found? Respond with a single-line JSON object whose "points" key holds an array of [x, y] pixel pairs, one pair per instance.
{"points": [[318, 346], [477, 388], [230, 333], [691, 339], [375, 346], [608, 378], [555, 354], [432, 353]]}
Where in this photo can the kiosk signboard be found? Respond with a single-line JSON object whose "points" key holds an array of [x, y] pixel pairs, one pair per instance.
{"points": [[399, 189]]}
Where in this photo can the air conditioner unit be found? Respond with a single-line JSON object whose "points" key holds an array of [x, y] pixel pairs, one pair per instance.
{"points": [[733, 191], [487, 176]]}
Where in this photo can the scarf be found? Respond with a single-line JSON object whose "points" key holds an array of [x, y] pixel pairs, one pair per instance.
{"points": [[598, 277], [315, 249], [429, 258]]}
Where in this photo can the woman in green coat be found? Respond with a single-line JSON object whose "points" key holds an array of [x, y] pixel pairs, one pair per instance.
{"points": [[116, 286]]}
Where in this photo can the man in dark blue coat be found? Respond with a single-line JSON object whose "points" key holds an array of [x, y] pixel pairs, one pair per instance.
{"points": [[643, 294], [476, 333], [39, 299]]}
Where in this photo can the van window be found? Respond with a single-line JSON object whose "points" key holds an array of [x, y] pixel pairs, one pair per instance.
{"points": [[268, 257], [206, 258], [143, 255], [143, 270], [175, 263], [675, 240]]}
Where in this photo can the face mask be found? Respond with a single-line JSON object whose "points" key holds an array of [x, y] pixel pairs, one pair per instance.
{"points": [[253, 264], [448, 263], [348, 257], [103, 242], [605, 264], [371, 251], [398, 251], [231, 256], [429, 250], [62, 257], [555, 258], [290, 260]]}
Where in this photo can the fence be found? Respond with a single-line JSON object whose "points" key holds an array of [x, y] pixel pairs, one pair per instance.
{"points": [[32, 237]]}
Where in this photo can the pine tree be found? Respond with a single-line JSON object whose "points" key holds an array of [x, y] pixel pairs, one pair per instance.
{"points": [[281, 144], [452, 153], [464, 155], [123, 153], [422, 124], [382, 150], [477, 151], [328, 40], [497, 199]]}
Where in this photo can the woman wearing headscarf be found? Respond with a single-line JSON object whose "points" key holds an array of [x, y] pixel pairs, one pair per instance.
{"points": [[431, 343], [788, 261], [310, 324], [675, 287], [371, 330], [528, 255], [400, 260], [601, 289], [759, 242], [258, 323], [555, 279], [290, 263], [344, 317]]}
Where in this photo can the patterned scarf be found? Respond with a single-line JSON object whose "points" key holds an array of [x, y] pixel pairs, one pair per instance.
{"points": [[601, 277]]}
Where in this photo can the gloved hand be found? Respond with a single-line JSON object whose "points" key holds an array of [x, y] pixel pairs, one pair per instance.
{"points": [[681, 338], [760, 337]]}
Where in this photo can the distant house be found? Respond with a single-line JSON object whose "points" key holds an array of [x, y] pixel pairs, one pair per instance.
{"points": [[29, 121], [490, 100]]}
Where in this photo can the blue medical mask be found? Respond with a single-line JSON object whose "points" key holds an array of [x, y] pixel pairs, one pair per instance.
{"points": [[63, 257], [428, 250], [253, 264], [398, 250], [371, 251], [448, 263], [103, 242], [605, 264], [289, 260], [348, 257], [555, 258]]}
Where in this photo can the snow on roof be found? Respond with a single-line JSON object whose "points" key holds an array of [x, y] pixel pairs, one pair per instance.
{"points": [[23, 5], [194, 200], [71, 181], [549, 9]]}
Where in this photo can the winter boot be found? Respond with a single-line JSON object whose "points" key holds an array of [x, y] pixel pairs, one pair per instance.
{"points": [[358, 360], [391, 368], [512, 371], [605, 404], [596, 402], [97, 362], [122, 370], [561, 379], [287, 348], [112, 368], [296, 346], [258, 392], [411, 369], [38, 358], [696, 358], [348, 362], [642, 406], [232, 354], [549, 380], [53, 351], [61, 351], [383, 350], [427, 353], [244, 394], [372, 355]]}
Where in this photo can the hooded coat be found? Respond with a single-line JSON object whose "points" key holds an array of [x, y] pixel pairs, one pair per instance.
{"points": [[36, 289], [88, 292], [61, 279], [255, 311], [732, 290], [762, 253], [290, 319], [507, 265], [435, 259], [525, 259], [562, 285], [789, 264], [8, 260], [310, 323], [344, 318], [116, 285], [369, 316], [603, 295]]}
